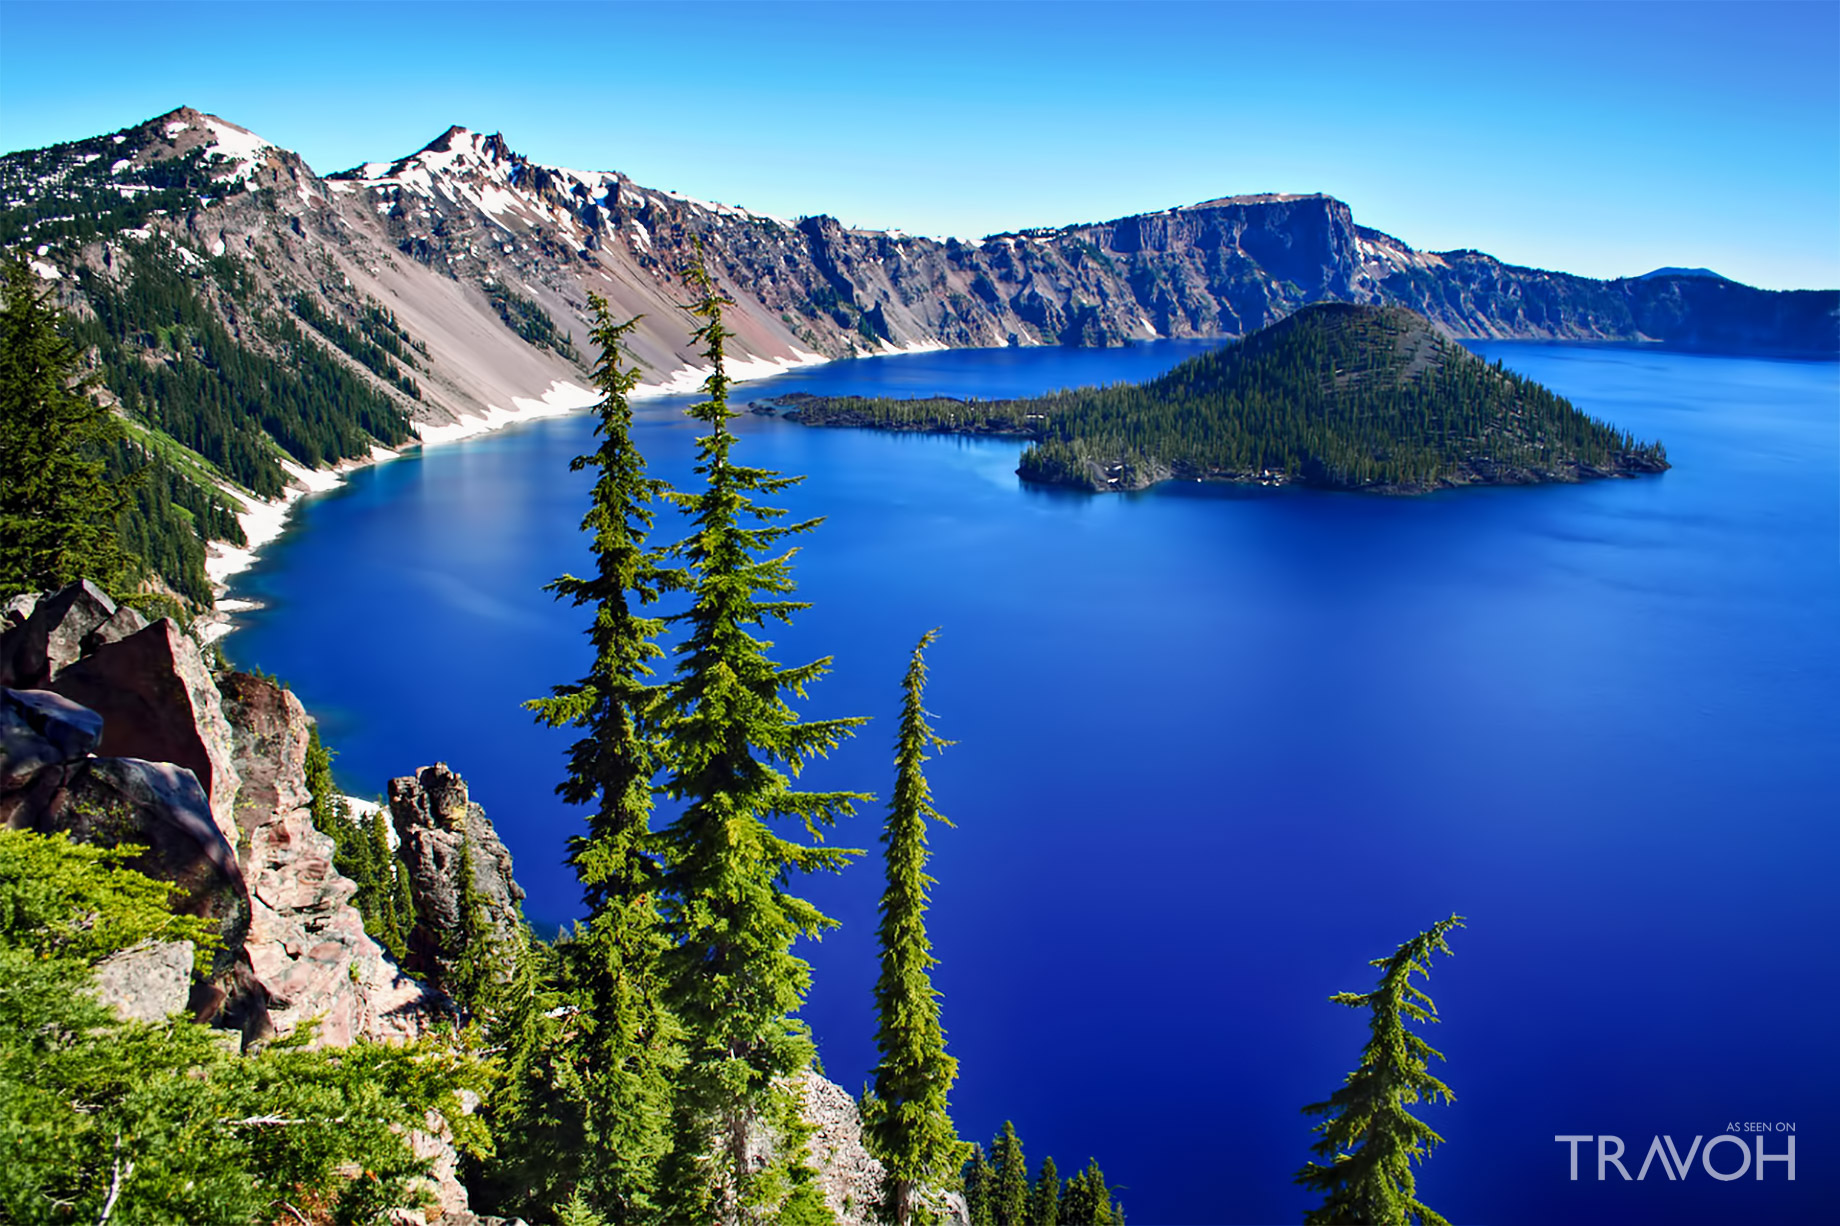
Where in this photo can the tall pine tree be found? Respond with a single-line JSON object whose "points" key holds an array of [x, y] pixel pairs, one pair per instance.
{"points": [[624, 1048], [57, 514], [1368, 1136], [732, 978], [1045, 1197], [911, 1131], [1009, 1192]]}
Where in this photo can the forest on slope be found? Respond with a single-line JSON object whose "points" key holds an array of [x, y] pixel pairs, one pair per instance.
{"points": [[1335, 396]]}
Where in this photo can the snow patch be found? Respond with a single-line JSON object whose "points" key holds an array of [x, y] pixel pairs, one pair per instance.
{"points": [[217, 248], [264, 519], [175, 127], [562, 397], [120, 166], [688, 380], [45, 272]]}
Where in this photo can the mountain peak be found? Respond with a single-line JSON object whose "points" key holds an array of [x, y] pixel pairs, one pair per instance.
{"points": [[1670, 271]]}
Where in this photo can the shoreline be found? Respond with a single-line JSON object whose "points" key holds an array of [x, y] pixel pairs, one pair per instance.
{"points": [[263, 521]]}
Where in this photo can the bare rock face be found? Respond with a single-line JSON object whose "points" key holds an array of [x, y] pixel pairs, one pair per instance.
{"points": [[849, 1175], [271, 732], [306, 942], [308, 947], [157, 702], [148, 983], [440, 829]]}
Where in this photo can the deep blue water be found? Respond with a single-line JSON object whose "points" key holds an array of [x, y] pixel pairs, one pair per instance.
{"points": [[1217, 749]]}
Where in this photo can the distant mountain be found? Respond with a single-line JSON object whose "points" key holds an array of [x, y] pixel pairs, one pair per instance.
{"points": [[1662, 273], [1335, 395], [265, 318]]}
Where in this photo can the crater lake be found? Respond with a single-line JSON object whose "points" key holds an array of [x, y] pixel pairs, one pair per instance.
{"points": [[1219, 747]]}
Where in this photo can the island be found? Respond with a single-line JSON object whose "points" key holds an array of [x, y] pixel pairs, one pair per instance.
{"points": [[1334, 396]]}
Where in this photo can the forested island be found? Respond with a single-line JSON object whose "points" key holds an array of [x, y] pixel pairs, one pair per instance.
{"points": [[1336, 396]]}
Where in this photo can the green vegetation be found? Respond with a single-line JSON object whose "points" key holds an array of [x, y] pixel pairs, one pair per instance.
{"points": [[909, 1128], [363, 854], [611, 1138], [104, 1120], [372, 338], [998, 1191], [58, 512], [730, 976], [530, 321], [66, 194], [1369, 1139], [240, 407], [1337, 396]]}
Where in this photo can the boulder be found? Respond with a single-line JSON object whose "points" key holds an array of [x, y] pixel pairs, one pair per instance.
{"points": [[147, 983], [125, 622], [439, 829], [17, 608], [157, 702], [40, 729], [158, 806], [52, 635]]}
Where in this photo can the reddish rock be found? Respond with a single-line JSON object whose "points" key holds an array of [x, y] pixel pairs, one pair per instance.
{"points": [[271, 731], [51, 637], [157, 702]]}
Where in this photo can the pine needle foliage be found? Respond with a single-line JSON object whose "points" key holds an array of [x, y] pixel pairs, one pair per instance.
{"points": [[1045, 1196], [1369, 1139], [1009, 1192], [731, 976], [911, 1131], [57, 512], [624, 1041]]}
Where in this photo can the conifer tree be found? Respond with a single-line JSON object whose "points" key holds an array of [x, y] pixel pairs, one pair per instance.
{"points": [[732, 979], [624, 1045], [910, 1130], [1088, 1201], [1009, 1195], [1369, 1139], [977, 1179], [1045, 1198], [57, 514]]}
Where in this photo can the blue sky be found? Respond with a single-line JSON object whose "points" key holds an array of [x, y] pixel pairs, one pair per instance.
{"points": [[1601, 139]]}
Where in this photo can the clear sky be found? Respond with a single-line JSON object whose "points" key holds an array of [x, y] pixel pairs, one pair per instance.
{"points": [[1601, 139]]}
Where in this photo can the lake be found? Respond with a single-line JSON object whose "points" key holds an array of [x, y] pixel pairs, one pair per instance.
{"points": [[1217, 748]]}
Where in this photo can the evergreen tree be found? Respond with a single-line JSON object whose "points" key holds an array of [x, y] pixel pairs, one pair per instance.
{"points": [[1368, 1137], [1009, 1198], [1088, 1201], [1045, 1198], [731, 976], [626, 1045], [57, 514], [910, 1132], [977, 1179]]}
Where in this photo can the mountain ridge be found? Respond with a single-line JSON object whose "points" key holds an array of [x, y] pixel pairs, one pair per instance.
{"points": [[442, 292]]}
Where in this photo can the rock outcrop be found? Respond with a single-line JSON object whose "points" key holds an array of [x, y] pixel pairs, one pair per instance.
{"points": [[148, 983], [307, 944], [157, 701], [294, 949], [440, 831]]}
